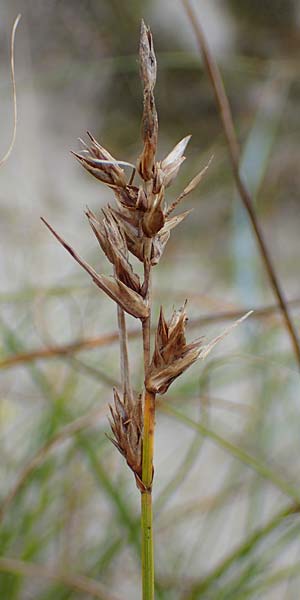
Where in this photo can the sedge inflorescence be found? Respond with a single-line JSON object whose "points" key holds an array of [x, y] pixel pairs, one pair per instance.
{"points": [[139, 224]]}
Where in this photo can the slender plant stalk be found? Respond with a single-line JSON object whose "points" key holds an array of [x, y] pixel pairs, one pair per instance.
{"points": [[148, 449], [148, 439], [147, 546], [124, 358]]}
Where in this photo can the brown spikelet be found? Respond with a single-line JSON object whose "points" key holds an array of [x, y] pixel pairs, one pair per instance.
{"points": [[99, 231], [125, 297], [127, 426], [132, 228], [172, 355], [100, 163], [146, 161], [112, 241]]}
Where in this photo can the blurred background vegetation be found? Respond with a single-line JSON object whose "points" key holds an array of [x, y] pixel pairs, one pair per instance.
{"points": [[227, 465]]}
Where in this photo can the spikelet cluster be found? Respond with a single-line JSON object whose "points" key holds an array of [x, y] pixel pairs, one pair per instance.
{"points": [[172, 355], [139, 224]]}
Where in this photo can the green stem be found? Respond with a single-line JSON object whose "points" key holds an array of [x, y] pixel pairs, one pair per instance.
{"points": [[148, 450], [147, 546], [146, 498]]}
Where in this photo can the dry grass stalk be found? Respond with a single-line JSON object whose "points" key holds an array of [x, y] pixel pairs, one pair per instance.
{"points": [[140, 224], [224, 109]]}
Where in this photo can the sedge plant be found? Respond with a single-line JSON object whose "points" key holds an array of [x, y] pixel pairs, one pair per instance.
{"points": [[139, 224]]}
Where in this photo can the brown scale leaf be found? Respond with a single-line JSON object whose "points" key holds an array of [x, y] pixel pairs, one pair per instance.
{"points": [[158, 179], [171, 163], [159, 243], [128, 196], [189, 188], [148, 66], [153, 222], [154, 218], [159, 380], [161, 239], [99, 231], [146, 161]]}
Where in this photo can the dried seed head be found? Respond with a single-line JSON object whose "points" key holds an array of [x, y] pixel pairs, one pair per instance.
{"points": [[141, 211], [141, 225], [127, 425]]}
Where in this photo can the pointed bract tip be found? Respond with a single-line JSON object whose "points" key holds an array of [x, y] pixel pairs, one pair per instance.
{"points": [[208, 347]]}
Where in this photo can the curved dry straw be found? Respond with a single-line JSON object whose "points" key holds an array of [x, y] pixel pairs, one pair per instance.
{"points": [[12, 69]]}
